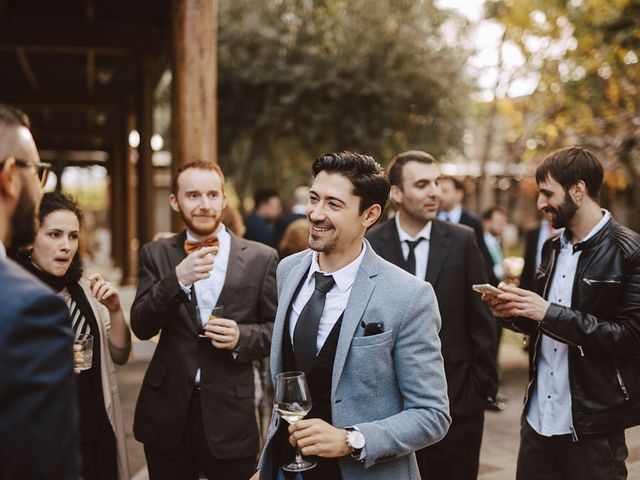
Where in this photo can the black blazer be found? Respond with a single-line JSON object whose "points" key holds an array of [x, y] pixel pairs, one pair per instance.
{"points": [[161, 306], [468, 332], [528, 275], [38, 411], [472, 220]]}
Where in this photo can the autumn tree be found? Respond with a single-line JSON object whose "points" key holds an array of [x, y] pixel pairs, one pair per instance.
{"points": [[299, 78]]}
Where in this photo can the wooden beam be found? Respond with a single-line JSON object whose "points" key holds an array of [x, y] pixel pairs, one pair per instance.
{"points": [[26, 68], [69, 35], [61, 102], [91, 70]]}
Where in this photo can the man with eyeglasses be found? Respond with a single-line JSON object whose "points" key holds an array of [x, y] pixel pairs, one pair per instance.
{"points": [[38, 417]]}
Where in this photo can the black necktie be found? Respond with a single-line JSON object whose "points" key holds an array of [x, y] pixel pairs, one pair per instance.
{"points": [[306, 332], [410, 264]]}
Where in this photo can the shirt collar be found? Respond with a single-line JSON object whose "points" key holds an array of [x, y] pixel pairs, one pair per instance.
{"points": [[564, 238], [404, 236], [3, 251], [299, 209], [345, 277], [453, 216]]}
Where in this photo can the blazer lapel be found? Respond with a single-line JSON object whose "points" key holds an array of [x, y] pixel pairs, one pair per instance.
{"points": [[284, 300], [439, 245], [177, 255], [235, 269], [363, 287]]}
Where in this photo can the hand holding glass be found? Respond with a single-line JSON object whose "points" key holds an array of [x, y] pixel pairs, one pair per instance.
{"points": [[292, 401], [205, 314], [83, 352]]}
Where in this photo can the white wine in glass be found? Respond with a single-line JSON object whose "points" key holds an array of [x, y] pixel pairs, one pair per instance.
{"points": [[292, 401]]}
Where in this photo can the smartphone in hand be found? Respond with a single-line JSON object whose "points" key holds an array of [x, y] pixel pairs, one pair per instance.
{"points": [[486, 288]]}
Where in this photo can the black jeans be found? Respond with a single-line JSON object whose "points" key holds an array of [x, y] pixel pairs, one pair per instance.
{"points": [[192, 455], [593, 457]]}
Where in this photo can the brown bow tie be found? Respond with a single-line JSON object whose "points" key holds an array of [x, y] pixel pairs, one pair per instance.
{"points": [[191, 247]]}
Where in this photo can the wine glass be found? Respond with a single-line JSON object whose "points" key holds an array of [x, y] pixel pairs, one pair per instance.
{"points": [[292, 401], [204, 315]]}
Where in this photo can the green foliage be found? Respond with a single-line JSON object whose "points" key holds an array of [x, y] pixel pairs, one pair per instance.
{"points": [[299, 78]]}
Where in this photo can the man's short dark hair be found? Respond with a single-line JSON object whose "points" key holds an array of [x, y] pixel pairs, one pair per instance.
{"points": [[569, 165], [198, 165], [12, 117], [399, 161], [488, 213], [263, 195], [457, 184], [365, 174]]}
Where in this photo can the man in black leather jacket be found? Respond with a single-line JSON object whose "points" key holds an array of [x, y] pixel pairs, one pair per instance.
{"points": [[584, 322]]}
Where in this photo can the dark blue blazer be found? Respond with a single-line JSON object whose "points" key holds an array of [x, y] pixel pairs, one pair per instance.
{"points": [[38, 412]]}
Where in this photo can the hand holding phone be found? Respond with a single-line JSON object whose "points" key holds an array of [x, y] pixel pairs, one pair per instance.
{"points": [[486, 288]]}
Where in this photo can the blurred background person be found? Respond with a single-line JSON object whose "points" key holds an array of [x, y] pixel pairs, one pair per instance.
{"points": [[494, 221], [260, 223], [94, 307], [232, 219], [300, 198], [533, 242], [296, 238]]}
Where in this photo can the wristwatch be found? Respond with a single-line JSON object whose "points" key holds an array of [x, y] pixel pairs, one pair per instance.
{"points": [[355, 441]]}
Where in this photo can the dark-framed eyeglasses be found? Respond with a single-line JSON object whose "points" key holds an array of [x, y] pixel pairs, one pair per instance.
{"points": [[41, 169]]}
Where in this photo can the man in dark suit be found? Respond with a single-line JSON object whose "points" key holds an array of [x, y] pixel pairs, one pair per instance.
{"points": [[196, 406], [533, 241], [300, 197], [261, 223], [451, 197], [38, 417], [447, 256]]}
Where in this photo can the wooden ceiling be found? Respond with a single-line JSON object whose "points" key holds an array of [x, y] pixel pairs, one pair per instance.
{"points": [[74, 66]]}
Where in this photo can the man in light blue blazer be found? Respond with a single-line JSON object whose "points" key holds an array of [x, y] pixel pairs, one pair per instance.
{"points": [[364, 331]]}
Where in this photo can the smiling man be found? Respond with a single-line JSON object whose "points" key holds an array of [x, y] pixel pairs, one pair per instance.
{"points": [[366, 334], [584, 322], [195, 411], [445, 255]]}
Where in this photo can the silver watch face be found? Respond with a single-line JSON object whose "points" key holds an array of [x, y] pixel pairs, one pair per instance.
{"points": [[356, 440]]}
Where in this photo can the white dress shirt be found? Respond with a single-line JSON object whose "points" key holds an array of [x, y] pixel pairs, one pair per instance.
{"points": [[208, 289], [421, 250], [453, 216], [335, 302], [3, 251], [550, 408]]}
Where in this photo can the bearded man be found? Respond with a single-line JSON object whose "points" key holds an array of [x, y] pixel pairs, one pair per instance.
{"points": [[195, 412], [584, 322]]}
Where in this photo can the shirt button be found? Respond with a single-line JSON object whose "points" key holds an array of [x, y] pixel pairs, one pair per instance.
{"points": [[563, 276], [548, 396], [555, 349], [552, 374]]}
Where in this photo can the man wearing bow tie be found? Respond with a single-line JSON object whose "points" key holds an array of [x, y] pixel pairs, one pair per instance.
{"points": [[195, 412]]}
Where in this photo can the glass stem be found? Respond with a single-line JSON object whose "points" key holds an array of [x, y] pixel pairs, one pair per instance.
{"points": [[298, 455]]}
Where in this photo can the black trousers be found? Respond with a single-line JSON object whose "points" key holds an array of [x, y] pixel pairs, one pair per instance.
{"points": [[593, 457], [457, 455], [192, 455]]}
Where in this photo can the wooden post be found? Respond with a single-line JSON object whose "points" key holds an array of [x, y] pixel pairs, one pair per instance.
{"points": [[145, 186], [194, 85]]}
